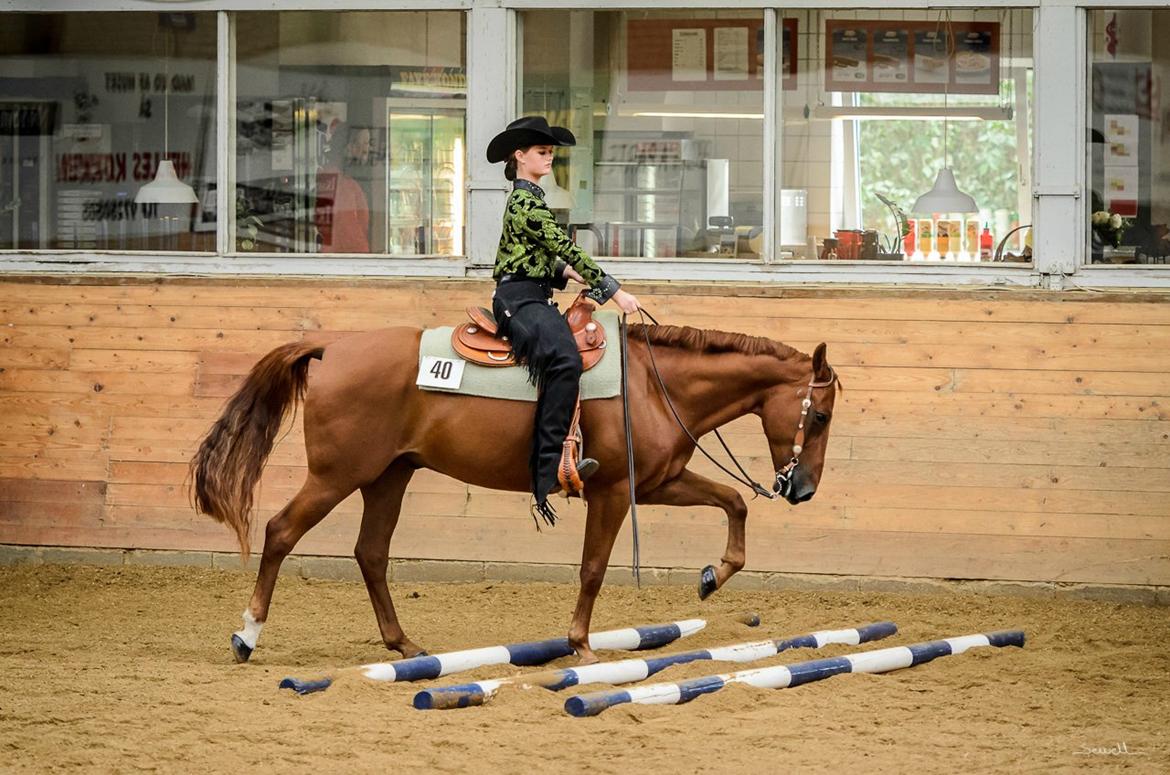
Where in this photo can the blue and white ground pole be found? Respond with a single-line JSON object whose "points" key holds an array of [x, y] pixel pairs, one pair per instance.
{"points": [[630, 670], [520, 654], [786, 676]]}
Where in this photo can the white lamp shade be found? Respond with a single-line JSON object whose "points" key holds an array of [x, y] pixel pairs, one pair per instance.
{"points": [[166, 188], [945, 197]]}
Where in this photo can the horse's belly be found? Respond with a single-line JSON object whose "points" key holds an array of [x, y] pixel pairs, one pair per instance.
{"points": [[485, 442]]}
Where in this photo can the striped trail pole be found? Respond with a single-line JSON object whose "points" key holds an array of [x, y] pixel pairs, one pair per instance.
{"points": [[629, 670], [785, 676], [521, 654]]}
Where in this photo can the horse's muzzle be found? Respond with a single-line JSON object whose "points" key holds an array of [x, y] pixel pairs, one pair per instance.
{"points": [[794, 486]]}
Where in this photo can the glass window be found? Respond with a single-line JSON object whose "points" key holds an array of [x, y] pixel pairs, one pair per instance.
{"points": [[1129, 145], [96, 109], [350, 132], [668, 111], [875, 104]]}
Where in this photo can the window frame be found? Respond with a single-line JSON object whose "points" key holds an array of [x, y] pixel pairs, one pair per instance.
{"points": [[1059, 178]]}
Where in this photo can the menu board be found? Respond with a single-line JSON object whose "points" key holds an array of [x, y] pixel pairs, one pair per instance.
{"points": [[705, 54], [926, 57]]}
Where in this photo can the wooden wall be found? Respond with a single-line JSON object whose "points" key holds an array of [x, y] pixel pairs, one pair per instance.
{"points": [[982, 435]]}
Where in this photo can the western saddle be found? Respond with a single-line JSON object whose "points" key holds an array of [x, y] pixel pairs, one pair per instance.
{"points": [[479, 342]]}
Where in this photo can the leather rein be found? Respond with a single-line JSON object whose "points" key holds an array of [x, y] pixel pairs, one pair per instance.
{"points": [[782, 484]]}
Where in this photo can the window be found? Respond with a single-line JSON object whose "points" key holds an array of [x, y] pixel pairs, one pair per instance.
{"points": [[874, 104], [1129, 146], [350, 132], [668, 110], [93, 108]]}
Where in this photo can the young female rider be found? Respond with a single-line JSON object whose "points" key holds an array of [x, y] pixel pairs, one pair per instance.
{"points": [[535, 256]]}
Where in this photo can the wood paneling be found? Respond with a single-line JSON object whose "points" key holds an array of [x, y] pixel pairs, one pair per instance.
{"points": [[981, 435]]}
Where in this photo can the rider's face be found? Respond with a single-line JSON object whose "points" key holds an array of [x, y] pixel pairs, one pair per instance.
{"points": [[535, 162]]}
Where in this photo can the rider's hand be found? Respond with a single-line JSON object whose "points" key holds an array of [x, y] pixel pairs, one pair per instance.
{"points": [[627, 302], [573, 275]]}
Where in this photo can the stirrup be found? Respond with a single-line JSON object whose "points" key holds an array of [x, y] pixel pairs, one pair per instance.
{"points": [[571, 465]]}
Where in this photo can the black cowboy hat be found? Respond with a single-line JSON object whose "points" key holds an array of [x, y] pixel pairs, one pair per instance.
{"points": [[525, 132]]}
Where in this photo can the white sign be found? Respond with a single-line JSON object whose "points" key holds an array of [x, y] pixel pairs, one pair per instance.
{"points": [[440, 372], [688, 55], [731, 53]]}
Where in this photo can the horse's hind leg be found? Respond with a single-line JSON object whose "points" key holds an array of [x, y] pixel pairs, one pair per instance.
{"points": [[383, 503], [690, 489], [308, 507]]}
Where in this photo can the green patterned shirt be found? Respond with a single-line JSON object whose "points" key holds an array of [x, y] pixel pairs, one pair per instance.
{"points": [[534, 244]]}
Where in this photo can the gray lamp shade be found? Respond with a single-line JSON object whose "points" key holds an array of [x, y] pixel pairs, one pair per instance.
{"points": [[945, 197], [166, 188]]}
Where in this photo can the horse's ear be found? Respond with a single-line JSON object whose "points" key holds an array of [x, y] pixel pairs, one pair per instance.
{"points": [[821, 369]]}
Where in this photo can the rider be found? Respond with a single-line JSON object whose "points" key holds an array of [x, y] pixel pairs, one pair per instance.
{"points": [[535, 256]]}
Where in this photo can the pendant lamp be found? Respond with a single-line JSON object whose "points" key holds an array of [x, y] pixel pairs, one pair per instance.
{"points": [[166, 188], [945, 196]]}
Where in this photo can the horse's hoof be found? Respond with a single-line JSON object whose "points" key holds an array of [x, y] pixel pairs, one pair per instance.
{"points": [[240, 650], [587, 658], [707, 583]]}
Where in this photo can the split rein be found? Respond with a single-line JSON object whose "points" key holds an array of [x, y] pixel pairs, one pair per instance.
{"points": [[783, 483]]}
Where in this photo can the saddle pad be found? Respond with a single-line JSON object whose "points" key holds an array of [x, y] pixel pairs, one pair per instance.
{"points": [[602, 381]]}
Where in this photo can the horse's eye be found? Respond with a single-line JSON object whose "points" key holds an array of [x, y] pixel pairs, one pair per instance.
{"points": [[821, 417]]}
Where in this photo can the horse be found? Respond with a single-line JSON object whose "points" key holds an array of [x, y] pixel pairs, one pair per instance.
{"points": [[368, 427]]}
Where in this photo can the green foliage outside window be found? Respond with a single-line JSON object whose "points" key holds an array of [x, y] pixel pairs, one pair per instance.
{"points": [[901, 158]]}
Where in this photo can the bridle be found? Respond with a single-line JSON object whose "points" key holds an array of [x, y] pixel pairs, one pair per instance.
{"points": [[782, 487], [782, 484]]}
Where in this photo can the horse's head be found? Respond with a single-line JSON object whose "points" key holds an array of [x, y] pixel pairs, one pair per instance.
{"points": [[796, 418]]}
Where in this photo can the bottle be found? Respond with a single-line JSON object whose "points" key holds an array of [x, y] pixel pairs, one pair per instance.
{"points": [[985, 241], [910, 241], [925, 236], [971, 241], [943, 238]]}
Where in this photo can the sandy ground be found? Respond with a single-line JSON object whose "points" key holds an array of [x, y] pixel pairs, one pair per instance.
{"points": [[124, 669]]}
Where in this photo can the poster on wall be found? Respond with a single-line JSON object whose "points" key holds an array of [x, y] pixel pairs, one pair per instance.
{"points": [[848, 62], [688, 55], [921, 57], [731, 54], [700, 54], [891, 55], [930, 58], [1121, 163], [974, 54]]}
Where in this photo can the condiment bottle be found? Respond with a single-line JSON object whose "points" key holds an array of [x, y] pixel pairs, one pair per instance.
{"points": [[985, 241]]}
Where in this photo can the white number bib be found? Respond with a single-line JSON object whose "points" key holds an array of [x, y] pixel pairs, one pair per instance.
{"points": [[440, 372]]}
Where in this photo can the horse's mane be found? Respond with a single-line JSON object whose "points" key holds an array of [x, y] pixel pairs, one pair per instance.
{"points": [[708, 341]]}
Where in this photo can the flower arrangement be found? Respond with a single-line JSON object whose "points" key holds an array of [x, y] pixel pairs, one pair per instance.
{"points": [[1110, 227]]}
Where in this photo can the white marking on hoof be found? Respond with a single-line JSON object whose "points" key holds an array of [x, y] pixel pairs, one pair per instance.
{"points": [[251, 632]]}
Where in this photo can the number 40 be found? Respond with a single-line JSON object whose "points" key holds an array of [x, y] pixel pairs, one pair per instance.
{"points": [[441, 370]]}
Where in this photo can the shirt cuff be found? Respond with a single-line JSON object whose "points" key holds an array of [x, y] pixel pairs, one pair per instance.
{"points": [[604, 290]]}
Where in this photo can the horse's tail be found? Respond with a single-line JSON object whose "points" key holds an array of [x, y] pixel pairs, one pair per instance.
{"points": [[231, 456]]}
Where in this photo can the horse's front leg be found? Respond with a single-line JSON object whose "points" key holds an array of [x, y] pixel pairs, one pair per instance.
{"points": [[690, 489], [607, 510]]}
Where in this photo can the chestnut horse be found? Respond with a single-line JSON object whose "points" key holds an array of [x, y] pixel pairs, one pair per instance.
{"points": [[369, 428]]}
